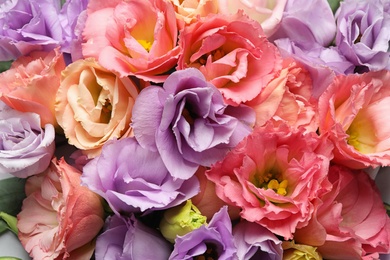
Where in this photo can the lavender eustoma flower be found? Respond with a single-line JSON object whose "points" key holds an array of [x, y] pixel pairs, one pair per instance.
{"points": [[307, 22], [363, 33], [214, 240], [256, 242], [28, 25], [133, 179], [25, 148], [126, 238], [72, 18], [187, 122]]}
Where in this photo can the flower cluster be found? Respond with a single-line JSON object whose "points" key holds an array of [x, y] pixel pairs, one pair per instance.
{"points": [[207, 129]]}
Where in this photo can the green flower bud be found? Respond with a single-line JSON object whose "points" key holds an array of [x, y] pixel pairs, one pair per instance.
{"points": [[180, 220]]}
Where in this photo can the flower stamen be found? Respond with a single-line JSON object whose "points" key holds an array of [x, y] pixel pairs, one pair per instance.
{"points": [[279, 188], [146, 44]]}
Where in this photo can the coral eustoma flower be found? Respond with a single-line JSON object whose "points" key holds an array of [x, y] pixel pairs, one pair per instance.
{"points": [[238, 61], [354, 113], [59, 218], [136, 37], [31, 84], [274, 175], [288, 98]]}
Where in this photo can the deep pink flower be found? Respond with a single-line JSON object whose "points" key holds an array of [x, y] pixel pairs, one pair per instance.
{"points": [[274, 175]]}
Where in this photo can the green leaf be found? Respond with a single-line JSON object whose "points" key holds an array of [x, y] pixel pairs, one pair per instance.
{"points": [[5, 65], [9, 258], [11, 222], [334, 5], [3, 226], [12, 195], [387, 206]]}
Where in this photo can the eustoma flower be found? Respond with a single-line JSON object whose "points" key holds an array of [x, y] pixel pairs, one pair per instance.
{"points": [[134, 179], [354, 114], [30, 25], [187, 122], [214, 240], [288, 98], [188, 11], [238, 62], [274, 175], [25, 148], [72, 16], [136, 37], [93, 105], [31, 84], [128, 238], [59, 218], [350, 222], [267, 12], [256, 242], [362, 33], [307, 22]]}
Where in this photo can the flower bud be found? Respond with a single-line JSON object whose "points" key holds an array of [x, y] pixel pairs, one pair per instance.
{"points": [[181, 220], [299, 251]]}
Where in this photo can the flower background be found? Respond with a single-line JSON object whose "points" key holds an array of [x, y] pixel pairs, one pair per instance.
{"points": [[164, 122]]}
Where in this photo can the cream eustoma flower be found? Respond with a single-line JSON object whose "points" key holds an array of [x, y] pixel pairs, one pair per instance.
{"points": [[93, 105], [267, 12]]}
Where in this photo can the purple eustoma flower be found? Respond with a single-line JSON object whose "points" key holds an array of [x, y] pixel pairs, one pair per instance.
{"points": [[363, 33], [187, 122], [28, 25], [126, 238], [256, 242], [72, 18], [133, 179], [25, 148], [214, 240], [307, 22]]}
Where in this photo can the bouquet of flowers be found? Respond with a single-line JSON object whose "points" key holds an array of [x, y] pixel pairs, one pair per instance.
{"points": [[195, 129]]}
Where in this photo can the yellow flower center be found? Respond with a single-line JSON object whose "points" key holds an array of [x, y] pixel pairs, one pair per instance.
{"points": [[272, 181], [361, 134], [279, 188], [146, 44]]}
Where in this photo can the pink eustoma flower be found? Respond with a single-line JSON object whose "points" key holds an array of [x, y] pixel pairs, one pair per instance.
{"points": [[274, 175], [350, 222], [354, 113], [135, 37]]}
